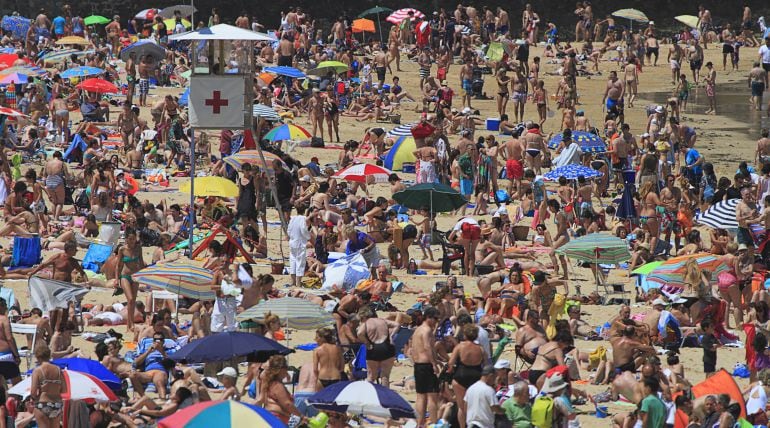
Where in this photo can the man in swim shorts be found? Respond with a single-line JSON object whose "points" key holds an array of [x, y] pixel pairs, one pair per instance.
{"points": [[614, 91]]}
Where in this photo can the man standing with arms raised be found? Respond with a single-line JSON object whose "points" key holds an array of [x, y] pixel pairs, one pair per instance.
{"points": [[426, 368]]}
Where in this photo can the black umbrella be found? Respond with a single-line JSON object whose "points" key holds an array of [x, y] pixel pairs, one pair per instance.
{"points": [[377, 10], [228, 345], [435, 197]]}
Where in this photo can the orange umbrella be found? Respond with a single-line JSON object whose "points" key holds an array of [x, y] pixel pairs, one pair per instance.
{"points": [[266, 78], [363, 25]]}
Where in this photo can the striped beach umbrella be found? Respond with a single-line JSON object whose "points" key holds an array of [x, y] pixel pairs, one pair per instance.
{"points": [[720, 215], [360, 172], [362, 398], [671, 272], [184, 279], [82, 71], [287, 131], [252, 157], [296, 313], [63, 55], [265, 112], [596, 248], [589, 143], [80, 386], [7, 111], [8, 78], [29, 70], [222, 414], [403, 130], [402, 14], [571, 172], [402, 151]]}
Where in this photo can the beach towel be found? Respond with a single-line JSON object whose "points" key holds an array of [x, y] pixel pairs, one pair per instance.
{"points": [[26, 252], [568, 156], [359, 364], [96, 256]]}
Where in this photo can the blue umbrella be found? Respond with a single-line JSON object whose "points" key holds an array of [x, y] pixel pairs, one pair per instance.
{"points": [[17, 25], [626, 208], [81, 72], [571, 172], [228, 345], [142, 48], [285, 71], [361, 398], [92, 367], [589, 143]]}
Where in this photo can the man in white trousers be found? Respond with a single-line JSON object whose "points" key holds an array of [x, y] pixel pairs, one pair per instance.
{"points": [[299, 235]]}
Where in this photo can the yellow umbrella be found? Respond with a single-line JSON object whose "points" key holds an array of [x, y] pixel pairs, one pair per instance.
{"points": [[212, 186], [688, 20], [72, 40], [171, 23]]}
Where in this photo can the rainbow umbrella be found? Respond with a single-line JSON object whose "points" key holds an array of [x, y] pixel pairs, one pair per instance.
{"points": [[671, 272], [287, 131], [184, 279], [221, 414], [211, 186], [402, 151], [252, 157], [9, 78]]}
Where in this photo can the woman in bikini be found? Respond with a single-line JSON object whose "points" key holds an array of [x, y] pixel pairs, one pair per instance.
{"points": [[503, 80], [328, 364], [47, 389], [129, 262], [127, 124], [549, 356], [562, 236], [273, 395], [509, 295], [648, 216], [38, 203], [465, 366]]}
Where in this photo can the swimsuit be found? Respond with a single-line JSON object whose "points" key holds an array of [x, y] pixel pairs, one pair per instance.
{"points": [[466, 375], [533, 152], [144, 86], [425, 379], [50, 409], [52, 182]]}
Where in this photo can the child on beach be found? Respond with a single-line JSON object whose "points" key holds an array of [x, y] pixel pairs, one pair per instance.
{"points": [[710, 344], [426, 225], [682, 92], [540, 98]]}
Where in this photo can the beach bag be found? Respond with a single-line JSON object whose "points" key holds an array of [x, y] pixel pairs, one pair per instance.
{"points": [[317, 142], [542, 412], [82, 200], [708, 190]]}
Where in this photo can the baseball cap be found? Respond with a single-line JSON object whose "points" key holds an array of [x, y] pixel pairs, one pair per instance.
{"points": [[229, 372], [306, 178], [502, 364]]}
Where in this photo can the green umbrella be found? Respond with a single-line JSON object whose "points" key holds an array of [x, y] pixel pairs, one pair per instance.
{"points": [[435, 197], [324, 67], [96, 20], [646, 268], [377, 10], [596, 248]]}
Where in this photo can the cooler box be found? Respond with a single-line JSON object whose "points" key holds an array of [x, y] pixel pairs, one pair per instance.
{"points": [[493, 124], [629, 176], [408, 168]]}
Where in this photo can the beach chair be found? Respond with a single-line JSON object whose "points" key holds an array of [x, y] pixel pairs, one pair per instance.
{"points": [[450, 253], [25, 329], [163, 295], [27, 251], [401, 338], [96, 256]]}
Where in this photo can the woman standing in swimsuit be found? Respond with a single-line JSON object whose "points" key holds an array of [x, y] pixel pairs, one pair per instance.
{"points": [[273, 395], [502, 92], [648, 216], [129, 262], [465, 365], [562, 236], [328, 364], [47, 389], [380, 353]]}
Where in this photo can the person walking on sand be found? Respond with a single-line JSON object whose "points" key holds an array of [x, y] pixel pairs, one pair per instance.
{"points": [[711, 83], [674, 58], [764, 58], [757, 85], [426, 367]]}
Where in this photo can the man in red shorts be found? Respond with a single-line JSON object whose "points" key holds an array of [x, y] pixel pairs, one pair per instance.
{"points": [[470, 235], [511, 152]]}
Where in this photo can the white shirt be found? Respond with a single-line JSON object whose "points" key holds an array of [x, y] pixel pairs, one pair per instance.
{"points": [[462, 221], [298, 231], [483, 341], [479, 399], [764, 52]]}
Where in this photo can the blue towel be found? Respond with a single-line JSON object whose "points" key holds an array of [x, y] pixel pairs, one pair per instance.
{"points": [[26, 252], [307, 346], [96, 256], [359, 364]]}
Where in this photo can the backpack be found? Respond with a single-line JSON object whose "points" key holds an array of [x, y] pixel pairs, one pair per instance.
{"points": [[708, 189], [542, 412]]}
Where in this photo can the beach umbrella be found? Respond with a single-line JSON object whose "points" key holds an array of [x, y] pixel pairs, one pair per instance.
{"points": [[7, 79], [402, 14], [17, 25], [646, 268], [377, 10], [626, 207], [221, 414], [28, 70], [171, 24], [63, 54], [597, 248], [72, 40], [180, 278], [81, 72], [7, 111], [252, 157], [402, 151], [99, 86], [141, 48], [146, 14], [283, 70], [589, 143], [721, 215], [212, 186], [7, 60], [96, 20], [184, 9], [362, 398], [91, 367], [80, 386], [571, 172], [631, 15], [345, 272], [436, 197], [265, 112], [287, 131], [363, 25], [325, 67], [227, 345], [688, 20], [671, 271], [295, 313], [360, 172], [403, 130]]}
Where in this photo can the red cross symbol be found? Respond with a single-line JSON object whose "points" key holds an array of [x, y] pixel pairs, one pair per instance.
{"points": [[216, 102]]}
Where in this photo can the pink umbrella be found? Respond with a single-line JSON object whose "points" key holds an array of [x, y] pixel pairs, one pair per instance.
{"points": [[402, 14], [80, 386], [362, 171], [7, 111]]}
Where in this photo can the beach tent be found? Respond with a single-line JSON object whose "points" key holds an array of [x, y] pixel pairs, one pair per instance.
{"points": [[228, 238], [402, 151], [719, 383], [76, 149]]}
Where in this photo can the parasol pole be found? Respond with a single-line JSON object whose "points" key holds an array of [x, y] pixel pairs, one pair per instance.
{"points": [[379, 28], [192, 187]]}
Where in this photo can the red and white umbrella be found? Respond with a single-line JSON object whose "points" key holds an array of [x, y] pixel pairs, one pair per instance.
{"points": [[80, 386], [99, 86], [147, 14], [362, 171], [401, 14], [7, 111]]}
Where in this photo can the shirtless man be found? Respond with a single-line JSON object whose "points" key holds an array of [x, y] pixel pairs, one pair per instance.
{"points": [[757, 84], [267, 53], [426, 367], [380, 64], [348, 306], [762, 154], [519, 86], [315, 108], [466, 81], [704, 25], [145, 68], [535, 148], [285, 52], [427, 167], [242, 21], [695, 56], [631, 77], [511, 151], [502, 22], [424, 60], [652, 317], [8, 350], [613, 93], [628, 353], [674, 58], [113, 35], [126, 123], [620, 148], [585, 194], [338, 32], [652, 48], [55, 176], [135, 161], [530, 337], [747, 26], [62, 264], [746, 214]]}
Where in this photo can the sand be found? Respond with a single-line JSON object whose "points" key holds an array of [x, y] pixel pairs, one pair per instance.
{"points": [[722, 140]]}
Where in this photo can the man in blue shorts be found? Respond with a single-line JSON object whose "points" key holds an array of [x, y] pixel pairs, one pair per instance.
{"points": [[613, 93]]}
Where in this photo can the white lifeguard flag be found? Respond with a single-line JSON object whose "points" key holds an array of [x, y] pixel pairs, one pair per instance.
{"points": [[217, 102]]}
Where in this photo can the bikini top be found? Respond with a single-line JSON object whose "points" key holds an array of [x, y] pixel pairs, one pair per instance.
{"points": [[130, 259], [44, 381]]}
